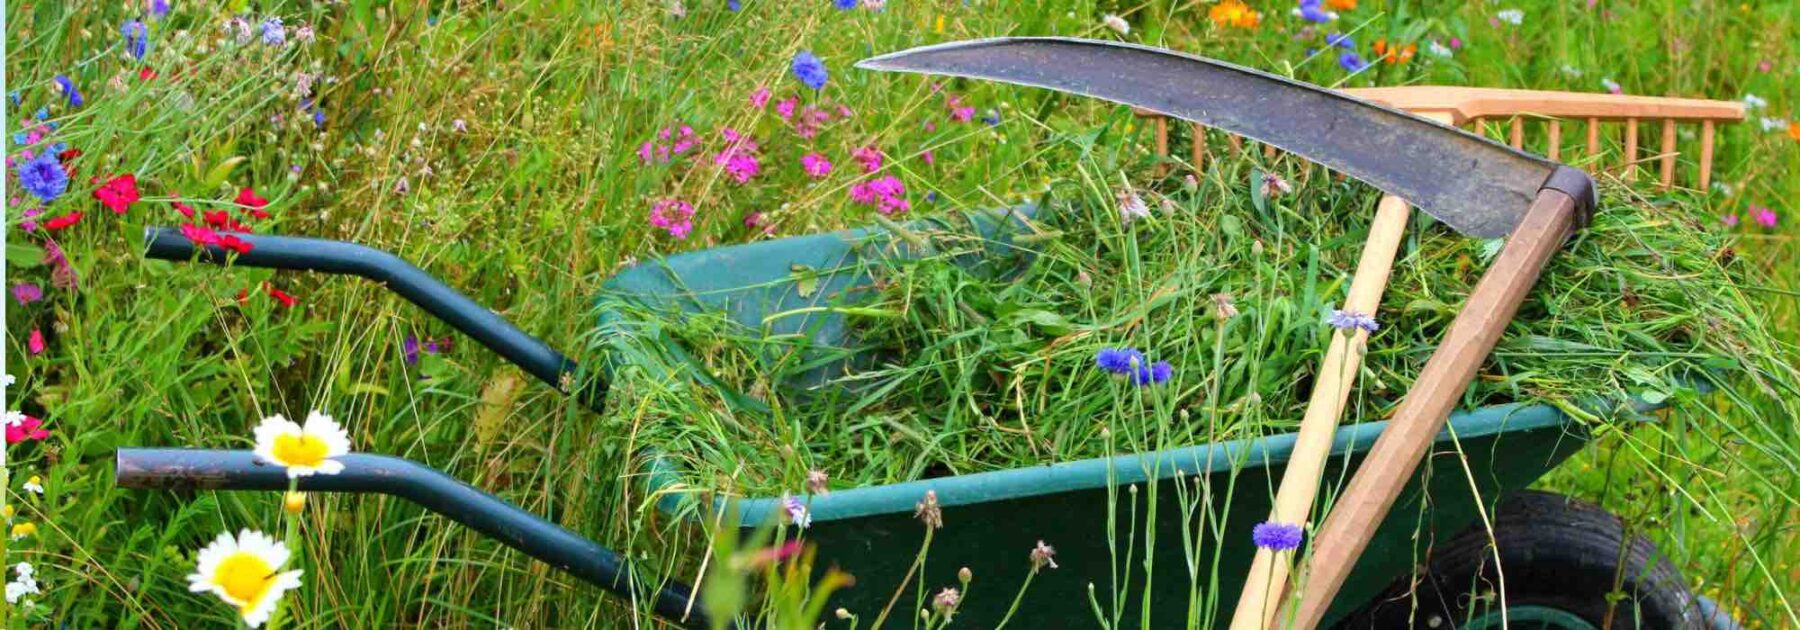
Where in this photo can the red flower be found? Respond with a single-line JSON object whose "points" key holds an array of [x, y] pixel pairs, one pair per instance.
{"points": [[199, 235], [56, 223], [184, 209], [22, 427], [146, 73], [118, 193], [216, 220], [67, 155], [35, 343], [281, 296], [247, 197], [236, 244], [243, 296]]}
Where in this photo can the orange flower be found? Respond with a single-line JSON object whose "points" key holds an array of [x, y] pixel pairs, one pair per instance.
{"points": [[1234, 13], [1341, 5], [1394, 54], [1794, 130]]}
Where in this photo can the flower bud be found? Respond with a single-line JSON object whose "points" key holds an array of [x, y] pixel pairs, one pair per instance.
{"points": [[294, 502], [965, 575]]}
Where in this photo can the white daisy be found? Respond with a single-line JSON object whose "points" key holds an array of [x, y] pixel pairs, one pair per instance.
{"points": [[23, 585], [304, 450], [34, 484], [1752, 101], [245, 572]]}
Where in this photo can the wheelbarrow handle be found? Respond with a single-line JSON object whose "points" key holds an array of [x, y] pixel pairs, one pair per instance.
{"points": [[206, 469], [399, 276]]}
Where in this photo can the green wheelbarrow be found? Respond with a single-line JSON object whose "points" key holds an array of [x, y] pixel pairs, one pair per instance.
{"points": [[1430, 565]]}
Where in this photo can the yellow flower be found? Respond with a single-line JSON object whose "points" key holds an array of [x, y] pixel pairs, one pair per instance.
{"points": [[304, 450], [294, 502], [939, 27], [8, 512], [22, 530], [1233, 13], [245, 572]]}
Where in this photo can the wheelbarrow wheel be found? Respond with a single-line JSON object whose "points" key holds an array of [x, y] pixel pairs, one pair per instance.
{"points": [[1560, 558]]}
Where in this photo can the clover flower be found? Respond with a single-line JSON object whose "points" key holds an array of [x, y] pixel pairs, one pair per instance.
{"points": [[245, 572], [1277, 536]]}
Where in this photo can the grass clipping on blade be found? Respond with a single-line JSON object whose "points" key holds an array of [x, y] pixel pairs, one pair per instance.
{"points": [[986, 361]]}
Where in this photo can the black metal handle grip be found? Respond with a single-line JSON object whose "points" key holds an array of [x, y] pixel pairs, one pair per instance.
{"points": [[203, 469], [399, 276]]}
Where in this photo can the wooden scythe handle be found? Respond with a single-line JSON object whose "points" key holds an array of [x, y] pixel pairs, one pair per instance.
{"points": [[1337, 376], [1396, 454]]}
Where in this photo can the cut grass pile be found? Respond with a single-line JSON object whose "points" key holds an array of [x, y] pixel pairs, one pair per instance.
{"points": [[982, 354]]}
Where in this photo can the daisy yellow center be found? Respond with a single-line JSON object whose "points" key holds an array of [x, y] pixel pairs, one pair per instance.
{"points": [[300, 450], [244, 576]]}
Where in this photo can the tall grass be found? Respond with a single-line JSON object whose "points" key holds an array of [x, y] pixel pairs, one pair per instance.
{"points": [[495, 145]]}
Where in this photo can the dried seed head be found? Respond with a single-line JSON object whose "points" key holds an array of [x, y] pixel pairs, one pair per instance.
{"points": [[928, 512], [1223, 308], [816, 481]]}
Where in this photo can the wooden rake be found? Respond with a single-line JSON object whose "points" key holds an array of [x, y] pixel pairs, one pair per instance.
{"points": [[1460, 107]]}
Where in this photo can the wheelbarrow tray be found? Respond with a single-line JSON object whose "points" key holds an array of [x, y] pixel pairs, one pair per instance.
{"points": [[993, 519], [1095, 512]]}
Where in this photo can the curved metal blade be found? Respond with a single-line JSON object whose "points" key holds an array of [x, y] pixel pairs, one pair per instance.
{"points": [[1477, 186]]}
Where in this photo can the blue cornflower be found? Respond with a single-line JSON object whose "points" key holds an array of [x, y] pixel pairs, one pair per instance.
{"points": [[68, 88], [13, 97], [44, 177], [1351, 61], [844, 5], [810, 70], [1310, 11], [43, 113], [319, 118], [734, 5], [1277, 536], [1340, 40], [274, 33], [992, 118], [137, 38], [159, 8], [1118, 360], [1349, 320], [1153, 374], [19, 138]]}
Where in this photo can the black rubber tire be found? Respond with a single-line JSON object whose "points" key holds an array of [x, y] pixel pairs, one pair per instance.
{"points": [[1556, 552]]}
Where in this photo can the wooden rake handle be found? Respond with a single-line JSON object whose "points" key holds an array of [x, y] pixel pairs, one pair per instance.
{"points": [[1396, 454], [1337, 376]]}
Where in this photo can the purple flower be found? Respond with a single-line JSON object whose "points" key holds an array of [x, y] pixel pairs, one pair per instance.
{"points": [[411, 349], [68, 89], [137, 38], [796, 512], [1351, 61], [1277, 536], [159, 9], [1349, 320], [26, 293], [44, 177], [274, 33], [1118, 360], [844, 5], [1340, 40], [1310, 11], [810, 70], [1153, 374]]}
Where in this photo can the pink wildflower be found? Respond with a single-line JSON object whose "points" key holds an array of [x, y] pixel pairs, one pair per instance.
{"points": [[887, 195], [959, 112], [785, 108], [30, 224], [928, 156], [26, 293], [670, 142], [35, 343], [869, 156], [62, 274], [815, 165], [20, 427], [759, 98], [1730, 219], [1764, 216], [739, 156], [673, 215]]}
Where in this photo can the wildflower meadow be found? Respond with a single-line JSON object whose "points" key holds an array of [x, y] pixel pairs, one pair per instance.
{"points": [[557, 403]]}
